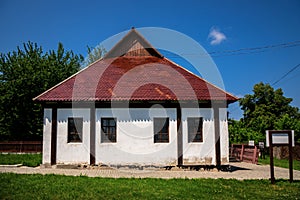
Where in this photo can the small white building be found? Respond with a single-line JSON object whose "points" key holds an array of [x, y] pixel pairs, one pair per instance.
{"points": [[135, 107]]}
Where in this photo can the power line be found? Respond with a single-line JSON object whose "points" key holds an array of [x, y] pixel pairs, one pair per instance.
{"points": [[242, 51], [290, 71], [282, 45]]}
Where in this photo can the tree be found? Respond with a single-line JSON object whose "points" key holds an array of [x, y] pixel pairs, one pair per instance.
{"points": [[24, 74], [238, 133], [286, 123], [266, 109], [94, 54]]}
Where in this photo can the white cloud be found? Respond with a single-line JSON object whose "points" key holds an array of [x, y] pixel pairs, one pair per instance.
{"points": [[216, 36]]}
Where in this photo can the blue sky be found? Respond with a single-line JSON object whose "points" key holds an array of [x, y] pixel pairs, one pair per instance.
{"points": [[235, 24]]}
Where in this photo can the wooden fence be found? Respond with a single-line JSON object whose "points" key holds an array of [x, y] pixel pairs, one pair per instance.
{"points": [[245, 153], [21, 147]]}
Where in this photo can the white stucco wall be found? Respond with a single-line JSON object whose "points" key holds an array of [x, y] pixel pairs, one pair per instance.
{"points": [[47, 136], [224, 137], [199, 153], [68, 153], [135, 138]]}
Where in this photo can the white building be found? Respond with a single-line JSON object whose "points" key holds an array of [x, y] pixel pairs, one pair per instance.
{"points": [[135, 107]]}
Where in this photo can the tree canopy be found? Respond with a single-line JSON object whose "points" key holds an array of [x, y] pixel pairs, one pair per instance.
{"points": [[24, 74], [94, 54], [265, 109]]}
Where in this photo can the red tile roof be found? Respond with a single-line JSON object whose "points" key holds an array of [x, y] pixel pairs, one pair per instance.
{"points": [[134, 78], [134, 70]]}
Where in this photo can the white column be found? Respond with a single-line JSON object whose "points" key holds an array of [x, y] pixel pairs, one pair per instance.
{"points": [[47, 125]]}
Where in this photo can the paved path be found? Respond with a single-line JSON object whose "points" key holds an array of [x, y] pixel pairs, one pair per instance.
{"points": [[239, 171]]}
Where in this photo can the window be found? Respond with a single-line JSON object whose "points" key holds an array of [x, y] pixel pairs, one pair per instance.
{"points": [[108, 130], [75, 129], [195, 129], [161, 130]]}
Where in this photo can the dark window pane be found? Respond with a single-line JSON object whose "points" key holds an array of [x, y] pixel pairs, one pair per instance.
{"points": [[195, 130], [75, 129], [161, 130], [112, 129], [108, 130], [104, 129], [112, 122], [104, 122]]}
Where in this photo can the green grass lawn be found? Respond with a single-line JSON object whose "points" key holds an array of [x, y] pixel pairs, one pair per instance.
{"points": [[280, 163], [31, 160], [26, 186]]}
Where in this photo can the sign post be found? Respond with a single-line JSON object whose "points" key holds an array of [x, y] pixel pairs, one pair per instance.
{"points": [[261, 146], [291, 155], [280, 138]]}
